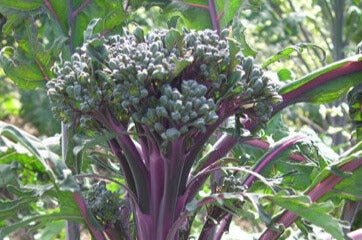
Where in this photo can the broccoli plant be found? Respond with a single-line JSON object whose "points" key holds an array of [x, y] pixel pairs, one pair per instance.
{"points": [[160, 97], [175, 89], [172, 107]]}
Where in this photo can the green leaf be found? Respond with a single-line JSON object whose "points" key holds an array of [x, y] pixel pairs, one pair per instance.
{"points": [[227, 9], [40, 219], [287, 53], [35, 146], [24, 74], [316, 213], [28, 196], [181, 65], [51, 161], [238, 32], [349, 156], [21, 5], [8, 174], [12, 21], [285, 74], [59, 12], [173, 38], [51, 230], [331, 88], [263, 215], [8, 208], [234, 48], [191, 17], [351, 186], [355, 109], [110, 13], [89, 32]]}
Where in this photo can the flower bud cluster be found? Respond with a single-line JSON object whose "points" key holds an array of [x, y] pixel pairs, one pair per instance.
{"points": [[169, 81], [104, 204], [184, 109], [232, 184]]}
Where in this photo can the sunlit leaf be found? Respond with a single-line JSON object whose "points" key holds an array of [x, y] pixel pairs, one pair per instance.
{"points": [[316, 213], [289, 51], [21, 5]]}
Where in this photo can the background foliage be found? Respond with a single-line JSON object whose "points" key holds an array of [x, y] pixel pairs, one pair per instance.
{"points": [[300, 37]]}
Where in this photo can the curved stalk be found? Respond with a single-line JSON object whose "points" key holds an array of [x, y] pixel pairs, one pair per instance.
{"points": [[280, 147], [323, 85]]}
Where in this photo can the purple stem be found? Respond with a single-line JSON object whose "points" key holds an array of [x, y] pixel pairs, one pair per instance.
{"points": [[72, 231], [143, 221], [139, 171], [214, 18], [157, 170], [223, 226], [98, 235], [84, 4], [349, 212], [270, 156], [288, 217], [258, 143], [217, 223], [173, 173]]}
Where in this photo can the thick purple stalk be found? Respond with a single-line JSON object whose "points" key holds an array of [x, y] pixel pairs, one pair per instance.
{"points": [[135, 162], [270, 156], [288, 217], [173, 173], [157, 172], [98, 235], [145, 230]]}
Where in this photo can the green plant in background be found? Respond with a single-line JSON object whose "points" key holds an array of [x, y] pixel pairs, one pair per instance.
{"points": [[10, 100], [152, 119]]}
